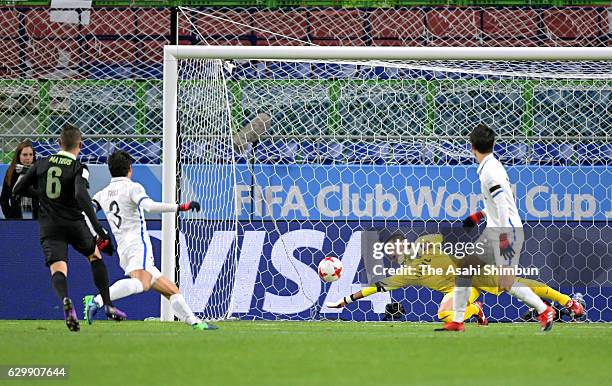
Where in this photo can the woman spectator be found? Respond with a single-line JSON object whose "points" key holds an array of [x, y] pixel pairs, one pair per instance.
{"points": [[16, 207]]}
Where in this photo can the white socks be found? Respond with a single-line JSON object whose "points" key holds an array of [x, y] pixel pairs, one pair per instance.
{"points": [[121, 289], [461, 297], [527, 296], [127, 287], [182, 310]]}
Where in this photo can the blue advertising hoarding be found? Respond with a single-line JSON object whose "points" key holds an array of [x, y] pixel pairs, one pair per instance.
{"points": [[380, 192], [147, 175], [393, 192], [325, 207], [26, 283], [276, 272], [265, 283]]}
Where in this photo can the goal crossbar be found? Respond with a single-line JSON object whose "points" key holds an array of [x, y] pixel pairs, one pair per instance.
{"points": [[389, 53]]}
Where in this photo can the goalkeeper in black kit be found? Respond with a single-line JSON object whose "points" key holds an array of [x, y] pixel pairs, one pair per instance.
{"points": [[62, 183]]}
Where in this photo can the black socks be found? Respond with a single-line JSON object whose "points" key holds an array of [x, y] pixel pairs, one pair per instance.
{"points": [[100, 277], [58, 281]]}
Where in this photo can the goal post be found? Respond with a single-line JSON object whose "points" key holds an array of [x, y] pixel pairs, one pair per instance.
{"points": [[345, 139], [169, 186]]}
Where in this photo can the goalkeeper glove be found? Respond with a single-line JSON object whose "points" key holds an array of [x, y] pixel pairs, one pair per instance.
{"points": [[505, 248], [190, 205], [340, 303], [105, 244], [473, 219]]}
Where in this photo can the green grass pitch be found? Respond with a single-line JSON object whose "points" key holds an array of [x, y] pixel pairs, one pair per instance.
{"points": [[311, 353]]}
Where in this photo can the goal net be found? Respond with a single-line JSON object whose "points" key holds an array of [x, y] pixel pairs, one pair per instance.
{"points": [[298, 153], [351, 127]]}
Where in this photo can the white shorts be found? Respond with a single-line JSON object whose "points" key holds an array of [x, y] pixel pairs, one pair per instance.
{"points": [[135, 257]]}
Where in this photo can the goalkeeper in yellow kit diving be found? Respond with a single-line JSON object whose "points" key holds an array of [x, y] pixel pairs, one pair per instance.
{"points": [[418, 267]]}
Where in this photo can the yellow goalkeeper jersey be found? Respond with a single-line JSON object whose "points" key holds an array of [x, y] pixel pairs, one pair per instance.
{"points": [[435, 258], [424, 267]]}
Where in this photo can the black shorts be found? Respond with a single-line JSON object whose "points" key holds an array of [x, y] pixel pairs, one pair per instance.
{"points": [[54, 240]]}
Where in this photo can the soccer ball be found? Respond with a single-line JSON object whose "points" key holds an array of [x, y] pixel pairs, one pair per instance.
{"points": [[330, 269]]}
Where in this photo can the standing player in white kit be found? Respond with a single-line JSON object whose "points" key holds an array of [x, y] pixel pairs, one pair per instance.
{"points": [[503, 236], [123, 202]]}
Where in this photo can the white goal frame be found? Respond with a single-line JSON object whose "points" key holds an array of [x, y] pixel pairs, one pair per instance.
{"points": [[173, 53]]}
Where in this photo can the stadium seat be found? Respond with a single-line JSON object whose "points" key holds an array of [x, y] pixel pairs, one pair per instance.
{"points": [[151, 21], [309, 152], [94, 151], [429, 154], [368, 153], [110, 22], [104, 71], [9, 53], [223, 152], [344, 24], [512, 153], [397, 24], [45, 148], [382, 73], [9, 23], [283, 70], [279, 26], [215, 23], [191, 152], [407, 153], [454, 154], [335, 71], [501, 23], [551, 154], [566, 153], [572, 24], [454, 23], [331, 152], [148, 70], [203, 152], [605, 153], [594, 154], [144, 152], [247, 70], [270, 152], [543, 154], [244, 156], [322, 153]]}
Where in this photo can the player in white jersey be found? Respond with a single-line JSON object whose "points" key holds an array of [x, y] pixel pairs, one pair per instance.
{"points": [[124, 203], [502, 238]]}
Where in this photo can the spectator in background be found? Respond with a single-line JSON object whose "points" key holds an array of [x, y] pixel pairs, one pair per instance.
{"points": [[18, 207]]}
